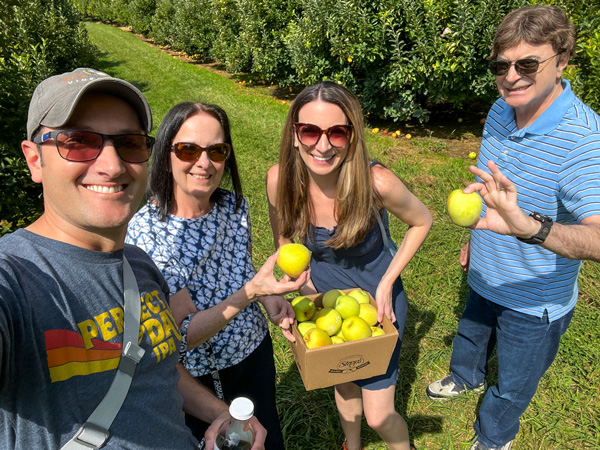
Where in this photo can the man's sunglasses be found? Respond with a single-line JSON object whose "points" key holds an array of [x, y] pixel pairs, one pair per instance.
{"points": [[81, 146], [310, 134], [524, 66], [189, 152]]}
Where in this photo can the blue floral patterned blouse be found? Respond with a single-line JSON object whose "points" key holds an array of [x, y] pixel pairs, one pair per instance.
{"points": [[211, 256]]}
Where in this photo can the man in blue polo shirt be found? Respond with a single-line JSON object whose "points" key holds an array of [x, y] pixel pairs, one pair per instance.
{"points": [[541, 142]]}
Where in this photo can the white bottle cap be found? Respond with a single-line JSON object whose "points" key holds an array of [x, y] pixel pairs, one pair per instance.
{"points": [[241, 408]]}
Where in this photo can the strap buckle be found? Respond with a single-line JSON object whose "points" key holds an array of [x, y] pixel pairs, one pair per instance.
{"points": [[91, 435], [130, 357]]}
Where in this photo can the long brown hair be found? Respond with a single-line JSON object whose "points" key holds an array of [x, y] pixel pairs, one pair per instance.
{"points": [[356, 201]]}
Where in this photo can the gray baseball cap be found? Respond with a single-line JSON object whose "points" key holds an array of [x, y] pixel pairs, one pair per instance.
{"points": [[55, 98]]}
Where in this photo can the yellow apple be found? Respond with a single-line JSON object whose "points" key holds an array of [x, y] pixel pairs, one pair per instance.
{"points": [[304, 308], [376, 331], [337, 340], [360, 295], [340, 333], [303, 327], [293, 259], [464, 209], [355, 328], [369, 313], [328, 320], [329, 297], [315, 337], [347, 306]]}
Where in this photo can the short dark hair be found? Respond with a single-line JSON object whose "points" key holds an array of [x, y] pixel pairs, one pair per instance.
{"points": [[536, 25], [160, 183]]}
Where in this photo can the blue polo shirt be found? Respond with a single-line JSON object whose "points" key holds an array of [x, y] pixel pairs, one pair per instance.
{"points": [[555, 165]]}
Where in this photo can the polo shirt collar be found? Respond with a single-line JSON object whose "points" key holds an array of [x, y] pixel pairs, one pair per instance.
{"points": [[549, 119]]}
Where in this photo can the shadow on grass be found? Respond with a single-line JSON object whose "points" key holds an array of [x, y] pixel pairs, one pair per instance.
{"points": [[107, 65], [418, 324]]}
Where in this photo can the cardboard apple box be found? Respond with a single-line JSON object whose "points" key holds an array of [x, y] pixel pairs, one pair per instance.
{"points": [[340, 363]]}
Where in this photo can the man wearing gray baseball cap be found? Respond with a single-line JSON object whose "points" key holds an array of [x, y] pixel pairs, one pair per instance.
{"points": [[88, 345]]}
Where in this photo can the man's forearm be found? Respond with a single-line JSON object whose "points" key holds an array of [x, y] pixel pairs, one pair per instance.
{"points": [[198, 401], [577, 241]]}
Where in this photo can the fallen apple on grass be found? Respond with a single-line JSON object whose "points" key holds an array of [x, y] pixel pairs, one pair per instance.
{"points": [[464, 209]]}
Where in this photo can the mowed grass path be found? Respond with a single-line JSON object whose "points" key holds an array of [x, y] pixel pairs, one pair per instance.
{"points": [[565, 413]]}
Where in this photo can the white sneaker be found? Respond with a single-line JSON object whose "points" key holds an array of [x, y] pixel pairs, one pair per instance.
{"points": [[479, 446], [446, 388]]}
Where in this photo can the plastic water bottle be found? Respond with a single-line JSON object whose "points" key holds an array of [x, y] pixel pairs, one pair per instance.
{"points": [[236, 433]]}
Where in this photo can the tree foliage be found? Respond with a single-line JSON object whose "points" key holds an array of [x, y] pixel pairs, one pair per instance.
{"points": [[38, 38], [401, 57]]}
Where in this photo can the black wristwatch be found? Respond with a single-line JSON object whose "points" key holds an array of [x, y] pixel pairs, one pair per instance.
{"points": [[542, 234]]}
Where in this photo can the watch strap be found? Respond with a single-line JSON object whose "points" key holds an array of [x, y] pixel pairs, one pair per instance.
{"points": [[546, 224]]}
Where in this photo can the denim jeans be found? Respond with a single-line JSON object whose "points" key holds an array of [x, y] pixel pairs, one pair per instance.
{"points": [[526, 345]]}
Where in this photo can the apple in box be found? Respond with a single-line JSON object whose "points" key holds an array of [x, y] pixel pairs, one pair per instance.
{"points": [[344, 361]]}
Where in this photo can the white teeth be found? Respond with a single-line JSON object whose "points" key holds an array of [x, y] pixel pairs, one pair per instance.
{"points": [[200, 177], [105, 189], [320, 158]]}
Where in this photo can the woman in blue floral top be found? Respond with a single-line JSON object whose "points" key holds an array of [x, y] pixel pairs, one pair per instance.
{"points": [[199, 236]]}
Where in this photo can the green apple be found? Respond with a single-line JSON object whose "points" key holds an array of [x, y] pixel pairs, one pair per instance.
{"points": [[303, 327], [304, 308], [329, 297], [369, 313], [360, 295], [376, 331], [464, 209], [337, 340], [347, 306], [315, 337], [328, 320], [355, 328]]}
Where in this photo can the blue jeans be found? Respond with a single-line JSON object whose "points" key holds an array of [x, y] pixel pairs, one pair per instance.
{"points": [[526, 346]]}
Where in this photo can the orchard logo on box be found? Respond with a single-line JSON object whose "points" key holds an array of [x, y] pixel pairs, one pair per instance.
{"points": [[350, 364]]}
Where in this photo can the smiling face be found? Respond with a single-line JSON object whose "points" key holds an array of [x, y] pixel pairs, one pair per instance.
{"points": [[89, 203], [322, 159], [195, 182], [531, 94]]}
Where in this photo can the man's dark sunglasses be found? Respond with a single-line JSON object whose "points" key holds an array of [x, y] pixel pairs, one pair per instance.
{"points": [[189, 152], [523, 66], [82, 146], [309, 134]]}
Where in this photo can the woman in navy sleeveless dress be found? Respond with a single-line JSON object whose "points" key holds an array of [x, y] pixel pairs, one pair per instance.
{"points": [[360, 266], [326, 193]]}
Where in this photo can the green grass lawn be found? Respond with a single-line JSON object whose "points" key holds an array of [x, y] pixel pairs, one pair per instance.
{"points": [[565, 413]]}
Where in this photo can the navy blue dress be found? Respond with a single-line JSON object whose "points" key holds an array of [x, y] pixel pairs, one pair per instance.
{"points": [[360, 266]]}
